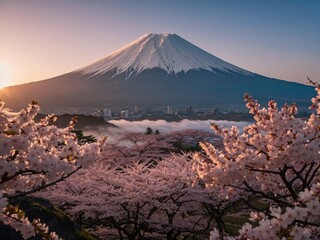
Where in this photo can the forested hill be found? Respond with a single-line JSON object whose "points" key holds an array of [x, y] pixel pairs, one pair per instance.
{"points": [[83, 121]]}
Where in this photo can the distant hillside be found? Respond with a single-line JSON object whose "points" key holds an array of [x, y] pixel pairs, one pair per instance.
{"points": [[83, 121]]}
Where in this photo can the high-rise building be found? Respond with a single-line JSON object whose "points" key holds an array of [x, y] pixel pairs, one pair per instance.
{"points": [[125, 114], [107, 113], [169, 110], [189, 110], [214, 110]]}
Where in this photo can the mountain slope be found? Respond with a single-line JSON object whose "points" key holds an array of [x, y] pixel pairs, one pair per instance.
{"points": [[157, 70]]}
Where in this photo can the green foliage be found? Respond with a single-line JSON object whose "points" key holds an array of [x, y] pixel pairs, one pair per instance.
{"points": [[84, 235], [149, 131], [40, 208], [233, 223], [82, 139]]}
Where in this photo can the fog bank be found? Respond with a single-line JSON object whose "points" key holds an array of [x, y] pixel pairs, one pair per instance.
{"points": [[167, 127]]}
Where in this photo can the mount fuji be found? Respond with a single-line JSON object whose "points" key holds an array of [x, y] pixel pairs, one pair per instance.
{"points": [[157, 70]]}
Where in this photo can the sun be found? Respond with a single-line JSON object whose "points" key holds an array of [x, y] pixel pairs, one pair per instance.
{"points": [[4, 77]]}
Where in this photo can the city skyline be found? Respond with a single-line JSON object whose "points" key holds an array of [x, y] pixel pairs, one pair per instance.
{"points": [[43, 39]]}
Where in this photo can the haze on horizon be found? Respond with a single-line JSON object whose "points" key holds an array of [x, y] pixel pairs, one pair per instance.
{"points": [[42, 39]]}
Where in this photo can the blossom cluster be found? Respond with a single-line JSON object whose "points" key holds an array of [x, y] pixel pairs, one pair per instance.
{"points": [[16, 218], [36, 154], [298, 222], [276, 159]]}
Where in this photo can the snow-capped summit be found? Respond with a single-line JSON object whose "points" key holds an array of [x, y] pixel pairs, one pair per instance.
{"points": [[166, 51]]}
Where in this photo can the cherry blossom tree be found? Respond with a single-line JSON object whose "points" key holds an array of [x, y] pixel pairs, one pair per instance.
{"points": [[136, 147], [155, 194], [148, 199], [143, 182], [189, 139], [133, 147], [275, 160], [33, 156]]}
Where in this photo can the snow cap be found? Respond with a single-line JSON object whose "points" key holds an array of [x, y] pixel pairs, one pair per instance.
{"points": [[166, 51]]}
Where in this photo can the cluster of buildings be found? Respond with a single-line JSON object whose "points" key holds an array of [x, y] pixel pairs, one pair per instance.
{"points": [[133, 113]]}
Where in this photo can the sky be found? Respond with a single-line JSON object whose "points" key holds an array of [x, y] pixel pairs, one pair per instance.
{"points": [[40, 39]]}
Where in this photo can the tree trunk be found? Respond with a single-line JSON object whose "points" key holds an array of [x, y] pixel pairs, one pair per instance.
{"points": [[221, 227]]}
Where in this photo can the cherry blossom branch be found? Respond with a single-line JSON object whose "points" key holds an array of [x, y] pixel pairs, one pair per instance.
{"points": [[5, 177], [289, 186], [43, 186], [250, 168], [276, 199]]}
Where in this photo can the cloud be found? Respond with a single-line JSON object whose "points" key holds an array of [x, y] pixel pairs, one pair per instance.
{"points": [[163, 126], [167, 127]]}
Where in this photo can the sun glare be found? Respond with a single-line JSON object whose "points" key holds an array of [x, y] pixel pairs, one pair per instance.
{"points": [[4, 77]]}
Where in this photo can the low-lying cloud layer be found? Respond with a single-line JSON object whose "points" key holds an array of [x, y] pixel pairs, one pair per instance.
{"points": [[114, 134], [167, 127]]}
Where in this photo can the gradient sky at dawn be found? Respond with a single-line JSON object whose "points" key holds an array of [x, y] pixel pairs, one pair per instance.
{"points": [[40, 39]]}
